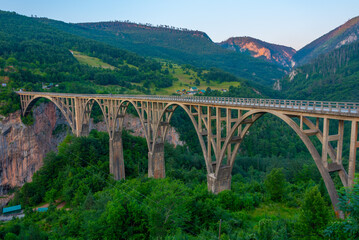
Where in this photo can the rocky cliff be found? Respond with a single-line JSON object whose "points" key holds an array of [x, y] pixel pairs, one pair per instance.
{"points": [[22, 148]]}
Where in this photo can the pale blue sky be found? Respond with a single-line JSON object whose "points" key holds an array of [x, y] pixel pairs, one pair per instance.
{"points": [[293, 23]]}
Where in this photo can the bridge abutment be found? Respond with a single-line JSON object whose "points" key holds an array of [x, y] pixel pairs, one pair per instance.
{"points": [[156, 162], [221, 182], [117, 166]]}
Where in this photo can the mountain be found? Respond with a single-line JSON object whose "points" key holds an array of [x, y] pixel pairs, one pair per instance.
{"points": [[179, 45], [342, 35], [273, 53], [333, 76]]}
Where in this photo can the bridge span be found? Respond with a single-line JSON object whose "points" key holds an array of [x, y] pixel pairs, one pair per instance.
{"points": [[221, 124]]}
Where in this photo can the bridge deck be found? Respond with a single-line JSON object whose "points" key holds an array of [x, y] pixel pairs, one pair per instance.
{"points": [[349, 109]]}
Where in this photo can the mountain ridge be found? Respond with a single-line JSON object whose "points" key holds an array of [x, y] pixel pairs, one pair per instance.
{"points": [[182, 46], [341, 35]]}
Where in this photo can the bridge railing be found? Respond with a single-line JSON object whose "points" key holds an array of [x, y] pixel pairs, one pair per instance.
{"points": [[341, 108], [292, 105]]}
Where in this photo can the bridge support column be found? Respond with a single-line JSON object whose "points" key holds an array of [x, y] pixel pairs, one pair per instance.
{"points": [[156, 162], [221, 182], [117, 166], [85, 131]]}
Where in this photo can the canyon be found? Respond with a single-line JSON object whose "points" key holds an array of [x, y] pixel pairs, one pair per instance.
{"points": [[23, 148]]}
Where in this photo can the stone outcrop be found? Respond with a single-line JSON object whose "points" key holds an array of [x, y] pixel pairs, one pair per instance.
{"points": [[274, 53], [22, 148]]}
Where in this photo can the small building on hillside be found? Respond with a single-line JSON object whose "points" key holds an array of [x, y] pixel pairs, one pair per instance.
{"points": [[11, 210], [193, 89]]}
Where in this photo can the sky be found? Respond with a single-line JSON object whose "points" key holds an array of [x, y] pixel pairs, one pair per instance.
{"points": [[292, 23]]}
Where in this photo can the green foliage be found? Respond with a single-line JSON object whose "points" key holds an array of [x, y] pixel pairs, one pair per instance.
{"points": [[349, 204], [10, 101], [178, 206], [265, 230], [28, 120], [36, 53], [194, 47], [314, 215], [219, 75], [275, 184], [330, 77]]}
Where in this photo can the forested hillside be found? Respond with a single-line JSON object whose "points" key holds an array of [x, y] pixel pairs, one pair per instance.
{"points": [[181, 46], [34, 54], [332, 77], [85, 203]]}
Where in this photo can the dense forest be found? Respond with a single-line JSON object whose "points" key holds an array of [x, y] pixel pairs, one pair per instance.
{"points": [[184, 47], [178, 207], [34, 54], [332, 77]]}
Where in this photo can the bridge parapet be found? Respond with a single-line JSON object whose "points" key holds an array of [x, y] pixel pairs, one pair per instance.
{"points": [[305, 106]]}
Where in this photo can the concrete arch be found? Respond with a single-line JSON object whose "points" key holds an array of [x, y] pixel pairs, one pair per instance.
{"points": [[195, 124], [139, 116], [33, 101], [308, 143]]}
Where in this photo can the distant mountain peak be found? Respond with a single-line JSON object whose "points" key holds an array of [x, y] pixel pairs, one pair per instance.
{"points": [[274, 53], [342, 35]]}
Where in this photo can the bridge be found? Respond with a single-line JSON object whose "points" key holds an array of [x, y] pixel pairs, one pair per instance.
{"points": [[221, 124]]}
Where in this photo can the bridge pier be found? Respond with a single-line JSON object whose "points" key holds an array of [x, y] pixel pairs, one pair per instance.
{"points": [[221, 182], [117, 166], [85, 131], [156, 162]]}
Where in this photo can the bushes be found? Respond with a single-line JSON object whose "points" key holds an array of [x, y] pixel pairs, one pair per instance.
{"points": [[314, 215], [275, 184]]}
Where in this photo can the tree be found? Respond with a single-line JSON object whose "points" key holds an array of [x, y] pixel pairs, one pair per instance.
{"points": [[265, 229], [2, 62], [314, 215], [197, 82], [275, 184], [349, 204]]}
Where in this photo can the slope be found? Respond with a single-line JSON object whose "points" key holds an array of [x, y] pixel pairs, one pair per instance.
{"points": [[342, 35], [333, 76], [181, 46]]}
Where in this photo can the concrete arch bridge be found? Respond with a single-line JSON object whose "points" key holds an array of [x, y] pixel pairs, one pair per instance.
{"points": [[220, 123]]}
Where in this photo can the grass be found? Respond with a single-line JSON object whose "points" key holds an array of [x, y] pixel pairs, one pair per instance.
{"points": [[272, 210], [91, 61], [279, 210], [186, 79]]}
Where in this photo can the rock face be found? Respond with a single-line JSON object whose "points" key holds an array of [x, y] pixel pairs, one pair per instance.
{"points": [[277, 54], [22, 148]]}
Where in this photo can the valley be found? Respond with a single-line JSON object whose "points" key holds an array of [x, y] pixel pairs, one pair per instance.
{"points": [[274, 179]]}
